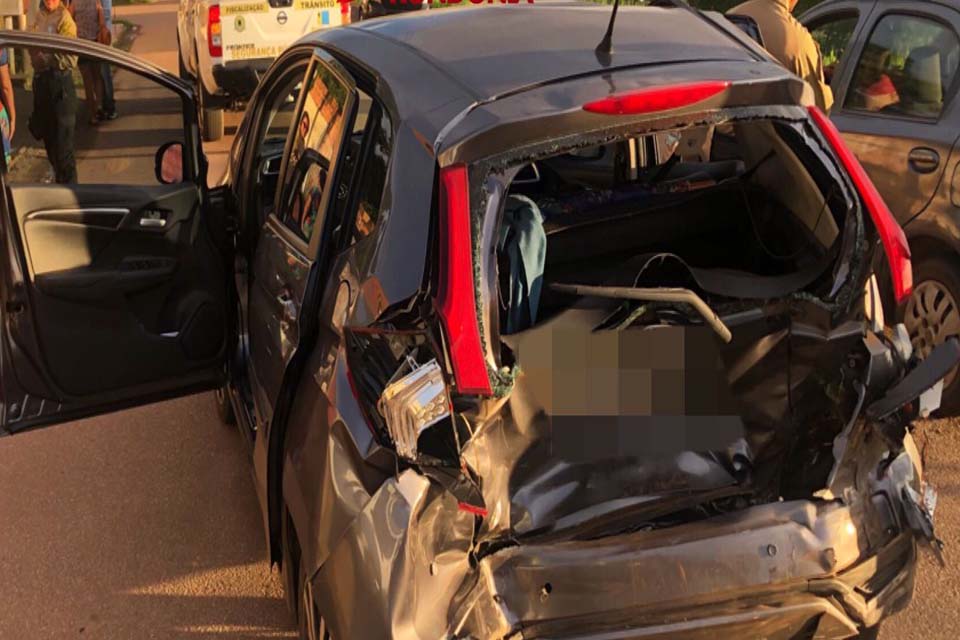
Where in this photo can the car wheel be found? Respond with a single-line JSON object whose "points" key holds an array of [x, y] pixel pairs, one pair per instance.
{"points": [[931, 315], [224, 406], [212, 124], [297, 589]]}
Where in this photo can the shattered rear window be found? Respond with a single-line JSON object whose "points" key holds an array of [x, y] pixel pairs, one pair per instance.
{"points": [[738, 210]]}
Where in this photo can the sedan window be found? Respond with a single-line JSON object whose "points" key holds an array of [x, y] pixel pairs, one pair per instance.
{"points": [[833, 36], [906, 68]]}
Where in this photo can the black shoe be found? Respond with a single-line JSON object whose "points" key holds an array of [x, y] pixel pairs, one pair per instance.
{"points": [[107, 115]]}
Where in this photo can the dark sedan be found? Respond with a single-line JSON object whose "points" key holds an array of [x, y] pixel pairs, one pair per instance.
{"points": [[531, 335]]}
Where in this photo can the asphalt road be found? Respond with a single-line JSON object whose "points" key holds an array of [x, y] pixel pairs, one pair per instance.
{"points": [[935, 611], [140, 524], [144, 524]]}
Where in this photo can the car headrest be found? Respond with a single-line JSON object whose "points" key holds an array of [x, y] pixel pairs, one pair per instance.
{"points": [[923, 73]]}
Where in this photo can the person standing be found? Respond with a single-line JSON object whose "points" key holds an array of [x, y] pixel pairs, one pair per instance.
{"points": [[8, 110], [88, 14], [54, 96], [109, 104], [789, 42]]}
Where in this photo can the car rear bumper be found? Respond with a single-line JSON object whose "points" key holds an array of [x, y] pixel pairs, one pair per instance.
{"points": [[772, 571], [237, 80]]}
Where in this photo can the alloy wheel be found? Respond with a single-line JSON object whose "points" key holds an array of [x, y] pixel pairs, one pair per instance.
{"points": [[932, 316]]}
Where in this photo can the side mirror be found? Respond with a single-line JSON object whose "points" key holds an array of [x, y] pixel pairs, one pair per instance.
{"points": [[168, 163]]}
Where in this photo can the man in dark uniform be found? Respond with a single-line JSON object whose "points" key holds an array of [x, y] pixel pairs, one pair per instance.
{"points": [[54, 94]]}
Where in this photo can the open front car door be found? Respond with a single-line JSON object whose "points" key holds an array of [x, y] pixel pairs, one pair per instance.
{"points": [[113, 286]]}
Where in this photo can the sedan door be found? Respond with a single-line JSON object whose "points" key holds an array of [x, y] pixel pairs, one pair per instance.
{"points": [[894, 100], [113, 287]]}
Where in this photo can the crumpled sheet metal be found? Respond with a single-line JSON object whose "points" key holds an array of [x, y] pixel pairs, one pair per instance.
{"points": [[408, 551], [751, 572], [768, 550]]}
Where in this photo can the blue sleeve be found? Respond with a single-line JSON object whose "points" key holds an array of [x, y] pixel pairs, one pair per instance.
{"points": [[3, 57]]}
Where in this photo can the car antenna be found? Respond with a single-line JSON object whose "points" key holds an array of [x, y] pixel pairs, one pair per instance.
{"points": [[605, 48]]}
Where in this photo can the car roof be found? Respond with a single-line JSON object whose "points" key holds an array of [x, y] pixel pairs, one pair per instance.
{"points": [[490, 50]]}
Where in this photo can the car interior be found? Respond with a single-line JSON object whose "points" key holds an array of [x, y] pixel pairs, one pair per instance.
{"points": [[706, 208], [122, 289], [906, 74]]}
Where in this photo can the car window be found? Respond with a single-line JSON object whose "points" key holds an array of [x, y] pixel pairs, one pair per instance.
{"points": [[317, 137], [373, 177], [82, 121], [301, 215], [275, 119], [833, 36], [906, 68]]}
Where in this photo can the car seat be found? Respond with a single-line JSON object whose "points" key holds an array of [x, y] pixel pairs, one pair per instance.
{"points": [[922, 73]]}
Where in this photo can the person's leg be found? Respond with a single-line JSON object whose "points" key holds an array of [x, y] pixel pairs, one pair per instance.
{"points": [[106, 70], [87, 71], [109, 106], [97, 77], [65, 166], [101, 88], [43, 124]]}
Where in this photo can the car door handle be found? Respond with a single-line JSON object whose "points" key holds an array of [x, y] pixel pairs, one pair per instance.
{"points": [[923, 160], [288, 307]]}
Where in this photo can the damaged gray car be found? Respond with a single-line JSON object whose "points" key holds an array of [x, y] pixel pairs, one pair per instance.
{"points": [[534, 338]]}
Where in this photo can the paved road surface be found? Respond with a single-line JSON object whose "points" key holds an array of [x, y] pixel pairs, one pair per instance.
{"points": [[935, 611], [144, 524], [138, 525]]}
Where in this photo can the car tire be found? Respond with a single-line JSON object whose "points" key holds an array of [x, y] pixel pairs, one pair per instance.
{"points": [[212, 124], [296, 588], [932, 315], [224, 406]]}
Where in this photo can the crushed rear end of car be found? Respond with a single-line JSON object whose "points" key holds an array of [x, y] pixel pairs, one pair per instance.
{"points": [[643, 394]]}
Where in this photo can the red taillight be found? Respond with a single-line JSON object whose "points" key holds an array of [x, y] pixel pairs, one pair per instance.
{"points": [[456, 299], [214, 31], [657, 98], [891, 234]]}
